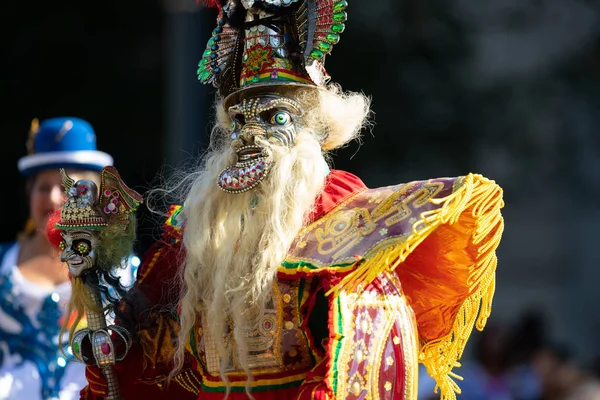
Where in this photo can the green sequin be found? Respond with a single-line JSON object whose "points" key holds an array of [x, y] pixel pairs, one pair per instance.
{"points": [[204, 75], [324, 47], [333, 38], [338, 28], [316, 54], [340, 17], [340, 6]]}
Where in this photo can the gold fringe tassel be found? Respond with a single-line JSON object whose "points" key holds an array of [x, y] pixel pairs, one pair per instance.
{"points": [[440, 356]]}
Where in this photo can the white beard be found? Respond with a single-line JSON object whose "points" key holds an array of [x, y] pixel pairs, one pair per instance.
{"points": [[233, 250]]}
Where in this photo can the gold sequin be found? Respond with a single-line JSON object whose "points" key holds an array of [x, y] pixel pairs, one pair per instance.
{"points": [[289, 325], [293, 353], [396, 340], [356, 388], [389, 361], [287, 298], [388, 386], [359, 355]]}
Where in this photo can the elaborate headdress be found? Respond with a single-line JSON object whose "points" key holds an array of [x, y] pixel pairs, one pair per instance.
{"points": [[64, 142], [87, 209], [260, 43]]}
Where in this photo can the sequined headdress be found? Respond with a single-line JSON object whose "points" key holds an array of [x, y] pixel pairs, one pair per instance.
{"points": [[87, 209], [260, 43]]}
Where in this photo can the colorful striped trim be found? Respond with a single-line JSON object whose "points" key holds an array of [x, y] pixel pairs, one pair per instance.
{"points": [[303, 298], [258, 385], [81, 226], [335, 327], [174, 223], [302, 269], [281, 76]]}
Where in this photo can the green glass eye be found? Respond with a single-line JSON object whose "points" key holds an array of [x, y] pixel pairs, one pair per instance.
{"points": [[83, 248], [281, 118], [235, 125]]}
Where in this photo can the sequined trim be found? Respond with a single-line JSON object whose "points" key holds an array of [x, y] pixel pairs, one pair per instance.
{"points": [[364, 329], [278, 346]]}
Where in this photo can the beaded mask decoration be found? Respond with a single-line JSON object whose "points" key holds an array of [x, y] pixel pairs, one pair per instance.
{"points": [[268, 117], [260, 51], [87, 212], [271, 42], [87, 209], [79, 251]]}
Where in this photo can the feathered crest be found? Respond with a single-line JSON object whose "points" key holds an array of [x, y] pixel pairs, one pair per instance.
{"points": [[271, 41], [67, 181], [86, 208]]}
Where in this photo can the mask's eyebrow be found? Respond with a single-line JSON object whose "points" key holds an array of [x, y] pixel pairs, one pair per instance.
{"points": [[283, 103], [253, 107], [235, 110]]}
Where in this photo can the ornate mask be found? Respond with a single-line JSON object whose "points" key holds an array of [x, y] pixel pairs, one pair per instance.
{"points": [[270, 117], [88, 212], [78, 250]]}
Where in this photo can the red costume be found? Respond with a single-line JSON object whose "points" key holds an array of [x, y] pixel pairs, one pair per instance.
{"points": [[380, 280]]}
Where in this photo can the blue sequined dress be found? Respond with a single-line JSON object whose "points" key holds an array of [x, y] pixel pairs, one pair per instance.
{"points": [[31, 364]]}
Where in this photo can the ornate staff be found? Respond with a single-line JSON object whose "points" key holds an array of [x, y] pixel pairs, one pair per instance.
{"points": [[97, 232]]}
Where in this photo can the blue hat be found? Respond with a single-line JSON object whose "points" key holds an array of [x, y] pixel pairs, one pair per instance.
{"points": [[62, 143]]}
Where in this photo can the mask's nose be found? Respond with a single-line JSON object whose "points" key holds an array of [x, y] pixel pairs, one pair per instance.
{"points": [[65, 255], [249, 132]]}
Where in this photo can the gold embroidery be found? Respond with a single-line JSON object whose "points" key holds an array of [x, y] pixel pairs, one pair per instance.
{"points": [[356, 385], [343, 231], [364, 323], [360, 351], [189, 381], [388, 309], [338, 233], [410, 350], [378, 313], [407, 322], [269, 337]]}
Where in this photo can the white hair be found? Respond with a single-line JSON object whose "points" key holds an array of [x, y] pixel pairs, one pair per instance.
{"points": [[233, 250]]}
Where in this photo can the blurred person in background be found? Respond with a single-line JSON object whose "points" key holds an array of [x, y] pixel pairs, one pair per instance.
{"points": [[484, 377], [525, 340], [561, 377], [34, 284]]}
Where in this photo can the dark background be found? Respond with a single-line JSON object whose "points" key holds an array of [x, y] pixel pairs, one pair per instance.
{"points": [[509, 89]]}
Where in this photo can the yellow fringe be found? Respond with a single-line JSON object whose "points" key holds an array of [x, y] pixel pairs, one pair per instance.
{"points": [[440, 356]]}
